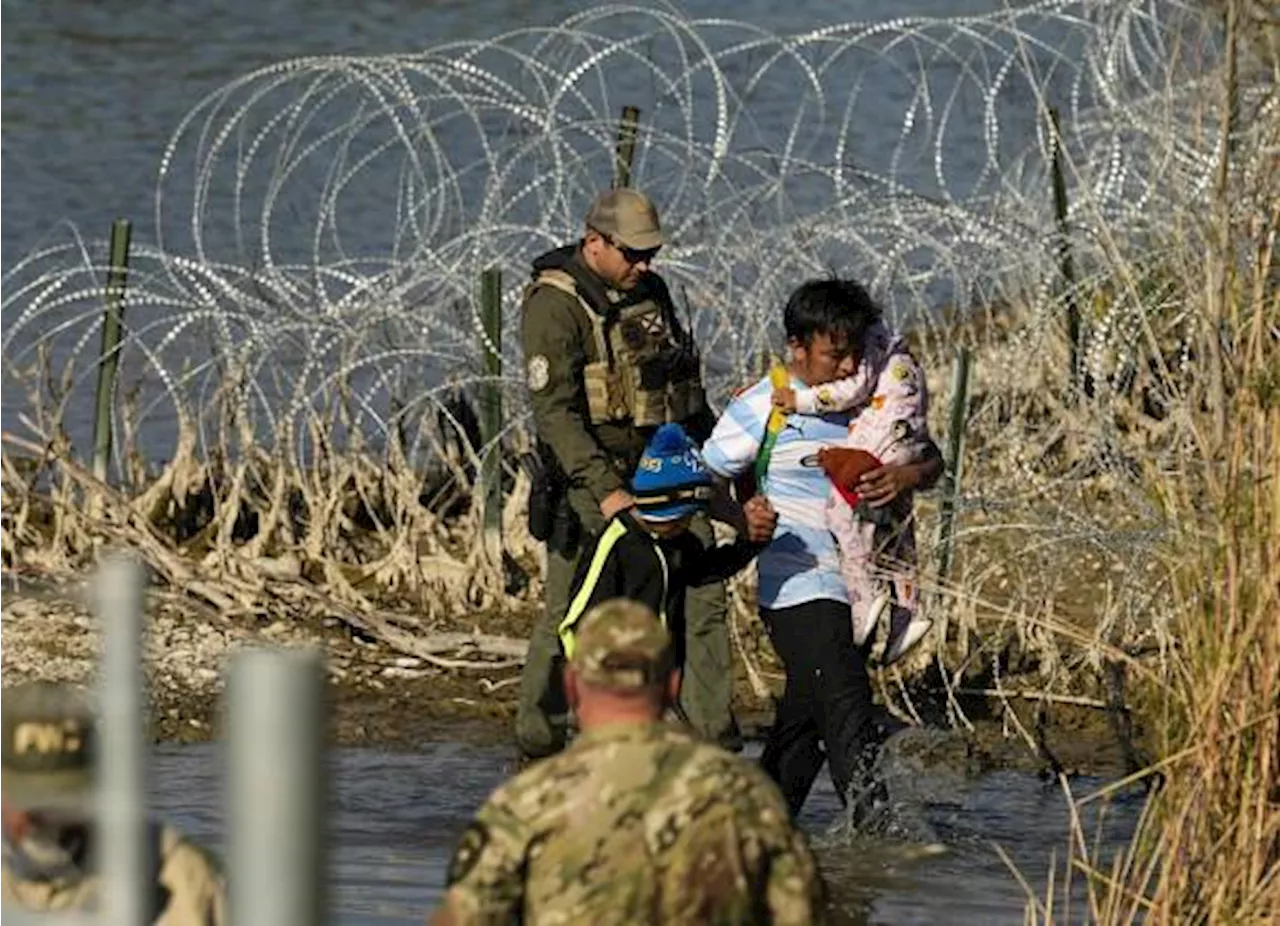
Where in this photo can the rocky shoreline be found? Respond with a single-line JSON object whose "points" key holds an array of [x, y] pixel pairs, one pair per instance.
{"points": [[378, 696]]}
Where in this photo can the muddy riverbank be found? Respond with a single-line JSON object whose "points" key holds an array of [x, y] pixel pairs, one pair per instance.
{"points": [[383, 698]]}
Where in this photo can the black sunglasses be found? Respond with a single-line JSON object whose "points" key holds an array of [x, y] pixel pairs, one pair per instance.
{"points": [[630, 255]]}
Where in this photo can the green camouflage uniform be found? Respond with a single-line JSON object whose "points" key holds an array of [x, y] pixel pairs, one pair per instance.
{"points": [[48, 746], [597, 446], [634, 822], [188, 887]]}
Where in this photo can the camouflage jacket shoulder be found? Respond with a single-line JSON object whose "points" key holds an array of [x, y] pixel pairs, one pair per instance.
{"points": [[637, 823]]}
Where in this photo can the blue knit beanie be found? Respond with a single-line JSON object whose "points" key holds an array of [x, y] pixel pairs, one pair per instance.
{"points": [[670, 482]]}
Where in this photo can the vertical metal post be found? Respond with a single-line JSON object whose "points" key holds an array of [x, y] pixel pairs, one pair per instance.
{"points": [[491, 408], [625, 153], [1065, 261], [109, 356], [124, 746], [955, 459], [277, 788]]}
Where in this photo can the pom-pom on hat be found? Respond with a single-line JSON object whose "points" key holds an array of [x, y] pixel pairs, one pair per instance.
{"points": [[670, 482]]}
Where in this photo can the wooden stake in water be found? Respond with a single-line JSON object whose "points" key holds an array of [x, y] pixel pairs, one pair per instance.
{"points": [[955, 459], [109, 357], [626, 150], [491, 407], [1067, 265]]}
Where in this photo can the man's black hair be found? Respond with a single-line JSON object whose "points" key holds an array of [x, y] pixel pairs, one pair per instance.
{"points": [[840, 309]]}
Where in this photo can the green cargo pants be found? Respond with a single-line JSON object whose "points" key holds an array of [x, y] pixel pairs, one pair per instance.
{"points": [[705, 693]]}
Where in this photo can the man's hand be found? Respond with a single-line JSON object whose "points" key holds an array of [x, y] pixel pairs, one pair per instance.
{"points": [[762, 519], [615, 501], [784, 398], [880, 486]]}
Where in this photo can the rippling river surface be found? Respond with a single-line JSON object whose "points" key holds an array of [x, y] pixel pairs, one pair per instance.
{"points": [[93, 91], [396, 817], [91, 95]]}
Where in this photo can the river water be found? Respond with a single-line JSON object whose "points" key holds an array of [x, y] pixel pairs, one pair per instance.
{"points": [[396, 817], [94, 91]]}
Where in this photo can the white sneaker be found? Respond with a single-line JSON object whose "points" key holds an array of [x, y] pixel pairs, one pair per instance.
{"points": [[862, 629], [902, 639]]}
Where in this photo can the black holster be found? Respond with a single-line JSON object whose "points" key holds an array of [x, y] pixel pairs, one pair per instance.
{"points": [[552, 519]]}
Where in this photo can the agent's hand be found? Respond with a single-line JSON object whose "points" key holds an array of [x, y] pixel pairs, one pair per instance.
{"points": [[784, 398], [761, 518], [880, 486], [615, 501]]}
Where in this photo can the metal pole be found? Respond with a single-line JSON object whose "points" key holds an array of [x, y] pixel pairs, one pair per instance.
{"points": [[955, 459], [15, 917], [276, 787], [124, 746], [491, 410], [626, 150], [109, 356]]}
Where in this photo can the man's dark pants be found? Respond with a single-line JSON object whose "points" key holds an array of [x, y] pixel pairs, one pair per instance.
{"points": [[826, 702]]}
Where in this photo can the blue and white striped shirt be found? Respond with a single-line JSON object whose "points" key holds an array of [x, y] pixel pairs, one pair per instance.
{"points": [[802, 562]]}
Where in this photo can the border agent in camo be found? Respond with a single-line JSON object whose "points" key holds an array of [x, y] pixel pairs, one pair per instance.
{"points": [[607, 362], [49, 746], [637, 821]]}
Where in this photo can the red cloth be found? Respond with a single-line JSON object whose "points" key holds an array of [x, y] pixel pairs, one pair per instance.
{"points": [[844, 466]]}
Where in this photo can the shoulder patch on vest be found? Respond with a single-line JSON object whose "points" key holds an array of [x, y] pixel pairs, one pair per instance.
{"points": [[539, 372], [470, 848]]}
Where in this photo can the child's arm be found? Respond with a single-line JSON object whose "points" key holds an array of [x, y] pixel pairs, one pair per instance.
{"points": [[839, 395], [702, 565]]}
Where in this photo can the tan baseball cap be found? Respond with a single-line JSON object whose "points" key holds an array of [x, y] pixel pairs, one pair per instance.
{"points": [[621, 645], [49, 746], [628, 217]]}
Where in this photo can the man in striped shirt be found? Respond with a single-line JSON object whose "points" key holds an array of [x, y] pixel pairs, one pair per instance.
{"points": [[804, 602]]}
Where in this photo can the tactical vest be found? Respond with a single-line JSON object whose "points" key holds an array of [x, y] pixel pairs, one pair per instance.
{"points": [[643, 373]]}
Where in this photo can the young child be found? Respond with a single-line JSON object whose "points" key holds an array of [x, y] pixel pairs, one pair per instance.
{"points": [[877, 545], [647, 554]]}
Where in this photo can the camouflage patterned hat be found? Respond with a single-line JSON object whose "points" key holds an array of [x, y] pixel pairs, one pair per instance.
{"points": [[628, 217], [622, 645], [48, 751]]}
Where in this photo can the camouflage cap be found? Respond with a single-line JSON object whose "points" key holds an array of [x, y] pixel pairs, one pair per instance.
{"points": [[621, 644], [628, 217], [49, 746]]}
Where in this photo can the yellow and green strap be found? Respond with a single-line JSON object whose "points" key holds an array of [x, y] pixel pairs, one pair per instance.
{"points": [[779, 378]]}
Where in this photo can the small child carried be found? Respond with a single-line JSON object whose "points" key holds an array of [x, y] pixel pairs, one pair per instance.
{"points": [[877, 544]]}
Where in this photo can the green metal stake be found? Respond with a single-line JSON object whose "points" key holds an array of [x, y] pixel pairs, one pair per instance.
{"points": [[109, 357], [626, 150], [955, 459], [491, 405], [1060, 208]]}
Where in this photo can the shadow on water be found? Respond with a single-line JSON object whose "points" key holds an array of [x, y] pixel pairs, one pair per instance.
{"points": [[396, 817]]}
